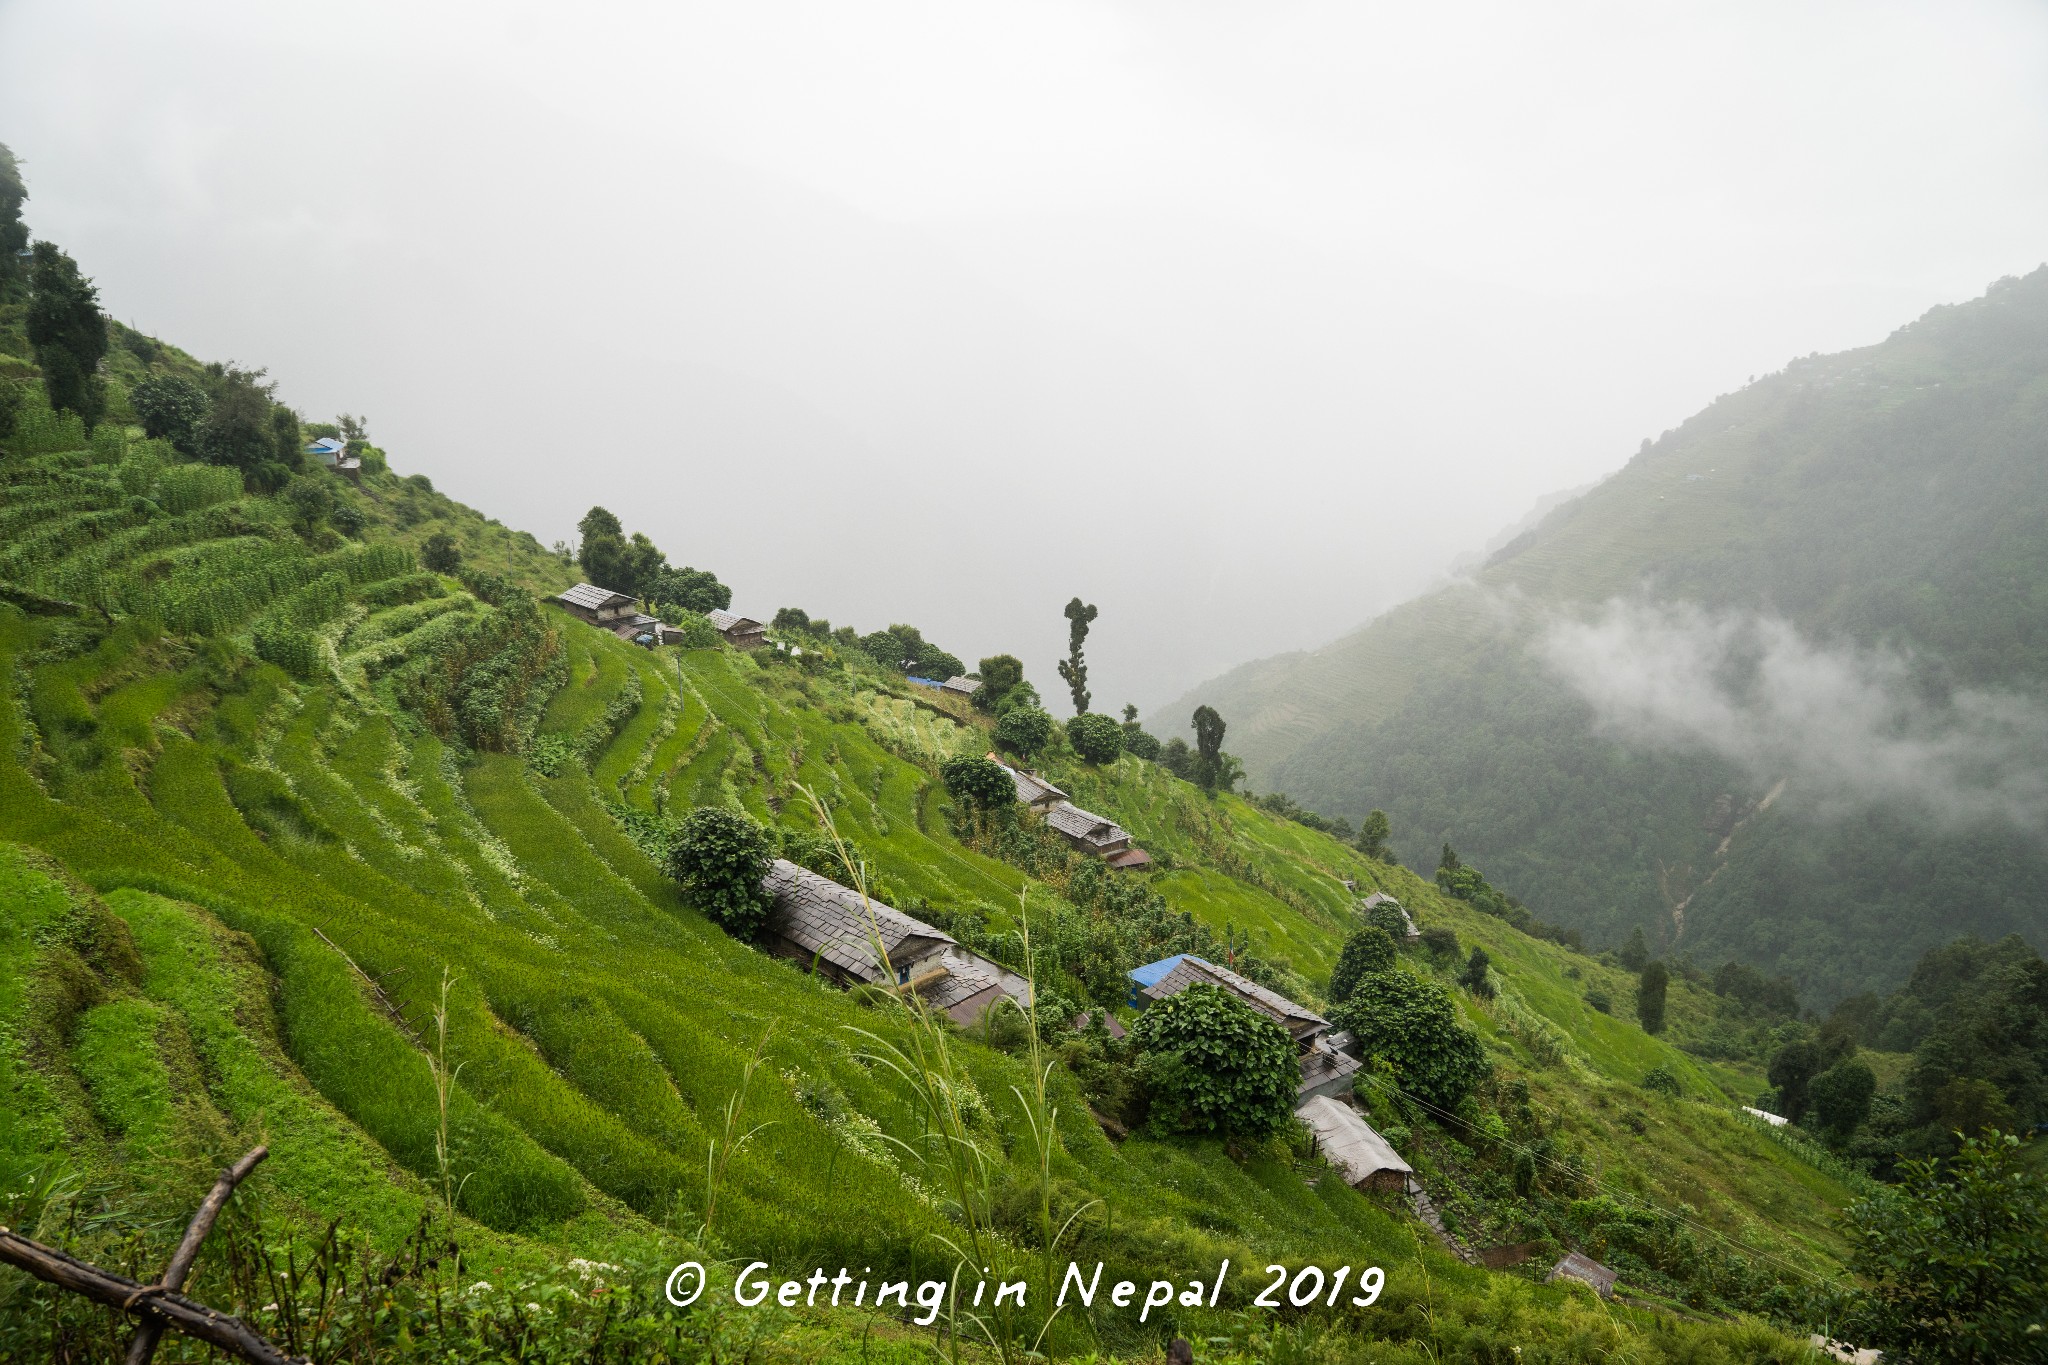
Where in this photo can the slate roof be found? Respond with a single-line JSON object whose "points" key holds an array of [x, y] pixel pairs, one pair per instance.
{"points": [[1128, 858], [963, 686], [1325, 1068], [1348, 1142], [1070, 820], [1581, 1267], [590, 597], [727, 622], [1189, 970], [822, 917], [1032, 790]]}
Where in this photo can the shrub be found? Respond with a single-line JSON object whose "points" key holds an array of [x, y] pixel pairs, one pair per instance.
{"points": [[1365, 952], [1389, 918], [441, 554], [720, 857], [979, 783], [1477, 976], [1216, 1066], [1413, 1024], [1841, 1096], [1096, 737], [1024, 731], [1599, 1000], [697, 632], [1650, 989], [1441, 943], [1660, 1080]]}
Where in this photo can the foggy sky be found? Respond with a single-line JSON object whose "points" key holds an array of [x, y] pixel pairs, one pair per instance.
{"points": [[1239, 320]]}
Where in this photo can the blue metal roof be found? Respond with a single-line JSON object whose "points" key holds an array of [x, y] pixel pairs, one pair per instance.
{"points": [[1152, 973], [925, 682]]}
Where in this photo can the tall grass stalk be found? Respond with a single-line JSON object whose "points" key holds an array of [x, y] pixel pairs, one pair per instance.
{"points": [[444, 1089], [967, 1169], [730, 1139]]}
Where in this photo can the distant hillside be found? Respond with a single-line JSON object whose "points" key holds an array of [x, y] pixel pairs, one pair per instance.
{"points": [[1600, 714]]}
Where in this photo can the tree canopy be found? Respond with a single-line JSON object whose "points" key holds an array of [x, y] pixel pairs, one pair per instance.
{"points": [[1074, 668], [1024, 730], [1216, 1065], [978, 783], [1096, 737], [67, 331], [1413, 1024], [720, 858], [1366, 952]]}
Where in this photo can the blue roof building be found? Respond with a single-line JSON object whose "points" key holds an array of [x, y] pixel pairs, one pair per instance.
{"points": [[1151, 974]]}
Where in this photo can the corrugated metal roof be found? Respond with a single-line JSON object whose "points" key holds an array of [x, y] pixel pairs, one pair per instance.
{"points": [[1191, 969], [1348, 1142], [591, 597], [827, 919], [1130, 857]]}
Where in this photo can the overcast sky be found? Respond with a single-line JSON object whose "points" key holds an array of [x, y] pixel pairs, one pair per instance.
{"points": [[1241, 320]]}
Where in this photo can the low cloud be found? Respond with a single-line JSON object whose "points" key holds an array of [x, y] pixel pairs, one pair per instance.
{"points": [[1850, 727]]}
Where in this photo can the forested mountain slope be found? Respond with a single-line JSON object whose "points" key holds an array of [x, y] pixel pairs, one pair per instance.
{"points": [[1771, 692]]}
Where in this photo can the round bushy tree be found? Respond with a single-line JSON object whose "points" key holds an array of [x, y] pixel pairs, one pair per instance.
{"points": [[1413, 1024], [172, 408], [441, 554], [1365, 952], [1024, 730], [1217, 1066], [1389, 918], [1840, 1097], [979, 783], [1096, 737], [720, 857]]}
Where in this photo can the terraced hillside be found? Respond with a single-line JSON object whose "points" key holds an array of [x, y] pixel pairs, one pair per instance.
{"points": [[263, 785]]}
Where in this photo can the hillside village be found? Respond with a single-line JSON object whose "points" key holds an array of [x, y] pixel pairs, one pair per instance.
{"points": [[539, 925]]}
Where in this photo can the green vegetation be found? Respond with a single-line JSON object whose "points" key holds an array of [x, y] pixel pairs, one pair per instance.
{"points": [[1216, 1066], [1890, 497], [719, 858], [1096, 737], [304, 842]]}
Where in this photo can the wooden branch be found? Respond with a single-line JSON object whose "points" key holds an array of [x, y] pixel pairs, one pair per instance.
{"points": [[151, 1330], [195, 1320]]}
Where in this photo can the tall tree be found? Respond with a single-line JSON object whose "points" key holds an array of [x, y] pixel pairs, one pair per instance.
{"points": [[1372, 836], [1074, 668], [1650, 989], [1208, 764], [999, 674], [13, 232], [68, 332], [237, 428]]}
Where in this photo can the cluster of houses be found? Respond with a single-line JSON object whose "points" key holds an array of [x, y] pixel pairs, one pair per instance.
{"points": [[1084, 829], [619, 613]]}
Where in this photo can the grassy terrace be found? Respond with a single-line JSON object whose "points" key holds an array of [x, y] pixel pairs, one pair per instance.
{"points": [[202, 859]]}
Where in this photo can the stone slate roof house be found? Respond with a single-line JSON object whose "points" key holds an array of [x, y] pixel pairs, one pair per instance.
{"points": [[741, 632], [1574, 1266], [1033, 790], [617, 612], [1087, 831], [815, 920], [963, 687], [1366, 1160], [1324, 1070]]}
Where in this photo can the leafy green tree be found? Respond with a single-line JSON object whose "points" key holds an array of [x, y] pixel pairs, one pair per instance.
{"points": [[1413, 1024], [1177, 758], [1207, 768], [1476, 977], [13, 232], [1791, 1071], [1636, 952], [1074, 668], [1660, 1080], [1651, 986], [979, 783], [1367, 952], [1024, 730], [999, 674], [172, 408], [312, 502], [693, 590], [1372, 836], [602, 552], [68, 332], [720, 858], [287, 445], [1136, 739], [797, 621], [1447, 861], [1955, 1258], [1389, 918], [1216, 1065], [440, 553], [236, 430], [1096, 737], [1840, 1097]]}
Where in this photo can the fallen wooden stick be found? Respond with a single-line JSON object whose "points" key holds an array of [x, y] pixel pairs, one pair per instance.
{"points": [[151, 1330], [158, 1305]]}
